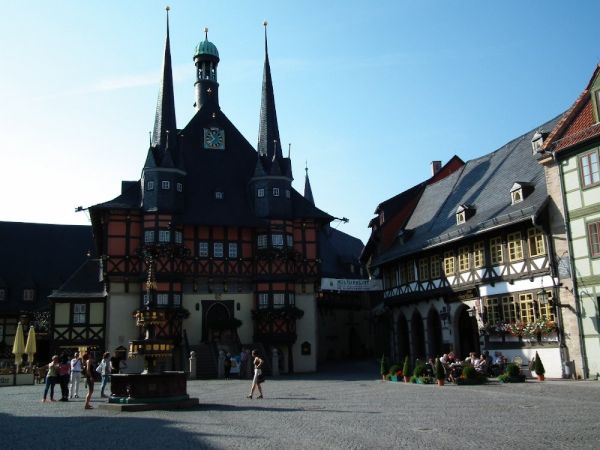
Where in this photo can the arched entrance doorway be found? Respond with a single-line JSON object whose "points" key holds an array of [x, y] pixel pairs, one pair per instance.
{"points": [[382, 335], [418, 336], [467, 334], [403, 338], [434, 333], [218, 324]]}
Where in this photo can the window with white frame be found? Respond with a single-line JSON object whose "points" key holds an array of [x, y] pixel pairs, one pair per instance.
{"points": [[510, 309], [496, 252], [291, 299], [150, 186], [463, 259], [149, 236], [260, 192], [526, 308], [263, 301], [275, 192], [589, 170], [176, 299], [492, 310], [478, 254], [535, 239], [203, 249], [290, 240], [166, 185], [218, 249], [232, 250], [278, 300], [436, 266], [79, 313], [277, 240], [262, 241], [179, 187], [164, 236], [219, 195], [178, 237], [515, 246], [162, 299], [423, 269], [28, 295], [546, 310], [448, 263]]}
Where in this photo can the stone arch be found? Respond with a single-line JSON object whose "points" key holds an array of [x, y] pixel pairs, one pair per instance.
{"points": [[434, 333], [418, 336], [466, 332]]}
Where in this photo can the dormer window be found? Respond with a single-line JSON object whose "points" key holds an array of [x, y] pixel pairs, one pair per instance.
{"points": [[275, 192], [166, 185], [219, 195], [28, 295], [520, 191], [463, 213], [537, 141], [150, 186], [179, 187]]}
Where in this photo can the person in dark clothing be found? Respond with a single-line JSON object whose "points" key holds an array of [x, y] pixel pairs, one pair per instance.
{"points": [[64, 372]]}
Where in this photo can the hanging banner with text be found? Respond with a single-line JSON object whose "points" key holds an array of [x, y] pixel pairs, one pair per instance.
{"points": [[348, 285]]}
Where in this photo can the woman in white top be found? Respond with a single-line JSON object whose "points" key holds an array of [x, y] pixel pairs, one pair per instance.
{"points": [[258, 376], [76, 366]]}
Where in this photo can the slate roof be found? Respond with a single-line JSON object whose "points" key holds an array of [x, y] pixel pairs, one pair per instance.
{"points": [[484, 183], [40, 257], [85, 283], [338, 251]]}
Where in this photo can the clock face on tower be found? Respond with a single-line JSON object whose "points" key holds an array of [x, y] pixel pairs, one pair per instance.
{"points": [[214, 138]]}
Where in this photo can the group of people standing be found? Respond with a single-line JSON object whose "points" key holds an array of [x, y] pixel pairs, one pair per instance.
{"points": [[69, 373]]}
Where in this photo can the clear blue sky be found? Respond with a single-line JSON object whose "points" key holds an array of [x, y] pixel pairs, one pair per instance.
{"points": [[369, 93]]}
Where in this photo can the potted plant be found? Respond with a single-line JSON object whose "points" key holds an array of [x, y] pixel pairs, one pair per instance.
{"points": [[440, 373], [538, 367], [407, 370], [383, 367], [395, 372]]}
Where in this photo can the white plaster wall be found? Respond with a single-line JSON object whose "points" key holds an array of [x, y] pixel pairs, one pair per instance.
{"points": [[582, 267], [550, 358], [571, 181], [591, 196], [573, 200], [577, 227], [306, 330]]}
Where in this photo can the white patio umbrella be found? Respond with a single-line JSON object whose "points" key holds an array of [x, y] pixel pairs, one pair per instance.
{"points": [[19, 345], [30, 347]]}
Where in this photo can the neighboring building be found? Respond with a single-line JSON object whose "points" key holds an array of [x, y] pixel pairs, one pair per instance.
{"points": [[36, 260], [570, 156], [471, 268], [213, 244]]}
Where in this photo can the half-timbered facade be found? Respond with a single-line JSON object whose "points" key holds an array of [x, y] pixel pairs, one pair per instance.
{"points": [[213, 244], [471, 269], [570, 155]]}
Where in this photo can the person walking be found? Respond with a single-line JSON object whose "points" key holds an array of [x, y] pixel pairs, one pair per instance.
{"points": [[227, 365], [105, 369], [88, 369], [258, 376], [76, 367], [51, 378]]}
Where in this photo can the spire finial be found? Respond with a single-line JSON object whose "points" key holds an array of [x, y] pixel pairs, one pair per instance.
{"points": [[306, 166], [289, 150], [265, 23], [206, 33], [150, 137]]}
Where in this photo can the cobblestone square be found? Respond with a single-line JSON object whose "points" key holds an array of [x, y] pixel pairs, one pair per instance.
{"points": [[343, 408]]}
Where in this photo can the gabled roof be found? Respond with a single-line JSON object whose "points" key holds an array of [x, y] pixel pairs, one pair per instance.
{"points": [[484, 183], [577, 125], [338, 252], [41, 257], [85, 283], [130, 198]]}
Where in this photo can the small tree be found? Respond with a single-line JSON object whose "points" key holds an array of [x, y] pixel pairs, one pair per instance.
{"points": [[538, 366], [440, 373], [384, 366], [407, 369]]}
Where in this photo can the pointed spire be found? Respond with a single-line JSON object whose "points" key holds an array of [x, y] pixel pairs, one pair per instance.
{"points": [[268, 128], [164, 120], [308, 195], [259, 170]]}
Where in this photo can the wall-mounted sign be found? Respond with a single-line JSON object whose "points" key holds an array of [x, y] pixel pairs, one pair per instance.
{"points": [[460, 296], [350, 285]]}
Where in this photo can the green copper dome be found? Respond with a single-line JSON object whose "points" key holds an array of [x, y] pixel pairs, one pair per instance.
{"points": [[206, 47]]}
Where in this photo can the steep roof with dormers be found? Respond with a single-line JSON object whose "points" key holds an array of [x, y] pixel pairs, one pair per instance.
{"points": [[485, 184]]}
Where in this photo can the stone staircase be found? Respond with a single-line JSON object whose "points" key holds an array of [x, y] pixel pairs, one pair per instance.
{"points": [[206, 360]]}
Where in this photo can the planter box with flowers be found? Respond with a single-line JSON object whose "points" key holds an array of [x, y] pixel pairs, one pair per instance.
{"points": [[539, 329]]}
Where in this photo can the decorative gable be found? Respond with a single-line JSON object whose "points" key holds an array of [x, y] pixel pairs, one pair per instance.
{"points": [[537, 141], [520, 191]]}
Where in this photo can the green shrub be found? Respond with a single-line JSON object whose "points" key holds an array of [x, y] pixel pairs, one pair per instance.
{"points": [[469, 373], [413, 379], [395, 368], [425, 380], [504, 378], [407, 369], [419, 369], [383, 368], [440, 373], [512, 370], [538, 366]]}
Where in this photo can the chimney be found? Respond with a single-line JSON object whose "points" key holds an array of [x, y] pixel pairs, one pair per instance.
{"points": [[435, 167]]}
